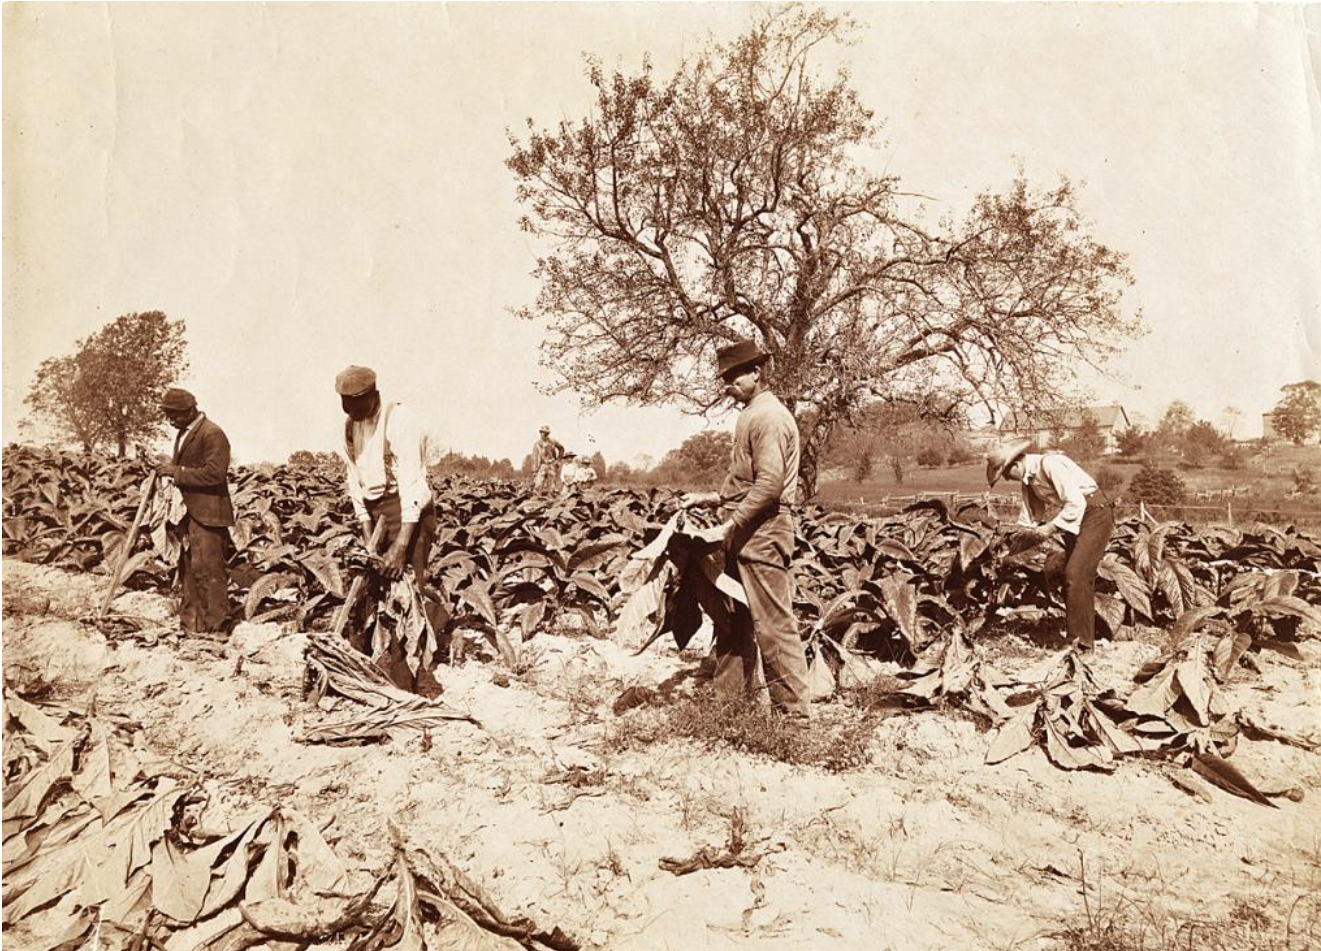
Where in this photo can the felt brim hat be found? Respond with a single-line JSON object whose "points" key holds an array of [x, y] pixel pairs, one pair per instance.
{"points": [[737, 355], [355, 381], [178, 400], [1002, 457]]}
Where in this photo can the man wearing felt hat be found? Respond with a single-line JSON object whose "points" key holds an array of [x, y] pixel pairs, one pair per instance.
{"points": [[1084, 519], [756, 501], [547, 457], [199, 466]]}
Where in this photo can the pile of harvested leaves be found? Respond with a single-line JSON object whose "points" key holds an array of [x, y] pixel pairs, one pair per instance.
{"points": [[106, 846]]}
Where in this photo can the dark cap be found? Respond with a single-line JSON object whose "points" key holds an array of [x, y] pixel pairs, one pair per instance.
{"points": [[355, 381]]}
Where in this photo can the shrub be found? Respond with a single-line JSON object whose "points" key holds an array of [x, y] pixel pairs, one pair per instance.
{"points": [[1157, 486], [930, 457], [1109, 480], [1232, 457], [960, 455]]}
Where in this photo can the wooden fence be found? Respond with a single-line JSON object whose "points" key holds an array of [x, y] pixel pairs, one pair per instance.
{"points": [[1233, 511]]}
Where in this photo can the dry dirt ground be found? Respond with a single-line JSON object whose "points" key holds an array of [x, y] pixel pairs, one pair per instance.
{"points": [[924, 848]]}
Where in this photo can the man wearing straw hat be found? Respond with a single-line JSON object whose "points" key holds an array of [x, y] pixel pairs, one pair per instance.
{"points": [[1052, 482], [547, 455], [199, 466], [757, 499]]}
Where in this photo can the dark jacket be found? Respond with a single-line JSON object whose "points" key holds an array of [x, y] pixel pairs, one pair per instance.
{"points": [[203, 461]]}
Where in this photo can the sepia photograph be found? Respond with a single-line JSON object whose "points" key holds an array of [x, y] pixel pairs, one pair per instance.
{"points": [[661, 476]]}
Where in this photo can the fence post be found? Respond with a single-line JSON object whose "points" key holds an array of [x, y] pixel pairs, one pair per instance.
{"points": [[1229, 511], [1142, 511]]}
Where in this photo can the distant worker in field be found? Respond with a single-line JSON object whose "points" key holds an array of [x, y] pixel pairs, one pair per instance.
{"points": [[757, 500], [386, 473], [577, 471], [199, 466], [547, 455], [1052, 482]]}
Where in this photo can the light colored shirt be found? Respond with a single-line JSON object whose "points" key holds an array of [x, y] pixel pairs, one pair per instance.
{"points": [[763, 462], [546, 450], [1053, 480], [372, 476]]}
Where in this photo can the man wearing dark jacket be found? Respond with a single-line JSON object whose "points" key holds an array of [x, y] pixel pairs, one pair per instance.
{"points": [[199, 466]]}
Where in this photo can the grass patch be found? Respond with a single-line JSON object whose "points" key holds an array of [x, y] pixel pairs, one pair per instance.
{"points": [[834, 740], [1285, 921]]}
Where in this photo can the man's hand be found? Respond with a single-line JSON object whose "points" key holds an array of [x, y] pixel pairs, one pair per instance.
{"points": [[393, 566], [162, 459], [695, 500]]}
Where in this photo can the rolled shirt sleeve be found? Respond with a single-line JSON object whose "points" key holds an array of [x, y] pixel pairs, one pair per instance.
{"points": [[410, 470], [1072, 486], [1028, 514], [355, 487]]}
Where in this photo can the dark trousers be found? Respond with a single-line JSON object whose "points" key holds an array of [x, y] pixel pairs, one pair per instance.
{"points": [[1082, 555], [203, 578], [762, 638], [419, 546]]}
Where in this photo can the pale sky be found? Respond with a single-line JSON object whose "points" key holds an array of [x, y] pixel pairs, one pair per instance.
{"points": [[315, 185]]}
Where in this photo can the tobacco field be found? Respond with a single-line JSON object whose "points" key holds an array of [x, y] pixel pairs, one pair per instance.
{"points": [[553, 629]]}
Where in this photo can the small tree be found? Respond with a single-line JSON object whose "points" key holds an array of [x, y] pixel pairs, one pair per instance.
{"points": [[598, 465], [1132, 441], [331, 462], [60, 399], [1297, 417], [862, 468], [931, 456], [620, 473], [1086, 442], [1200, 442], [703, 458], [1109, 480], [110, 389], [1157, 486], [1168, 435]]}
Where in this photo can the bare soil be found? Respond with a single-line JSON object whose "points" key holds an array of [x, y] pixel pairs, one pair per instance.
{"points": [[924, 848]]}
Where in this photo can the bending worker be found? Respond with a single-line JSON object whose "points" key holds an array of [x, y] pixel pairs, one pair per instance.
{"points": [[386, 473], [757, 497], [1052, 481]]}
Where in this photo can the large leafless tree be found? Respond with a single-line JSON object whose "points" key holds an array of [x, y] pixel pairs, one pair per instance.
{"points": [[738, 198]]}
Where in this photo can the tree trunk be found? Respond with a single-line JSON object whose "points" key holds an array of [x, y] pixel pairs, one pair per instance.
{"points": [[121, 446], [812, 441]]}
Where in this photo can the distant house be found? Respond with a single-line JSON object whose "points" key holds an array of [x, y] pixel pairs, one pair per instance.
{"points": [[1110, 419], [982, 438]]}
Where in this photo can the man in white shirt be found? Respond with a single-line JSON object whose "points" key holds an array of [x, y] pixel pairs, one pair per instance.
{"points": [[1085, 518], [386, 473]]}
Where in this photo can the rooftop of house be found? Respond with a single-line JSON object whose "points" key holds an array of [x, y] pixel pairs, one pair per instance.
{"points": [[1108, 416]]}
